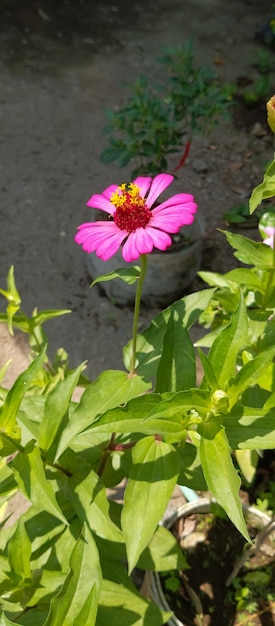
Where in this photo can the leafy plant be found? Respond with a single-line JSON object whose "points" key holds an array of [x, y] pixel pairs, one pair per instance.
{"points": [[153, 123], [251, 586], [69, 557], [240, 214]]}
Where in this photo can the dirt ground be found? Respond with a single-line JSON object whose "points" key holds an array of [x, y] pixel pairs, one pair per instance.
{"points": [[61, 65]]}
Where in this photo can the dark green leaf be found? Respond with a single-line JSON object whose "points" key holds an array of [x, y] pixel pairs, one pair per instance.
{"points": [[220, 474], [56, 410], [15, 395], [87, 494], [250, 428], [77, 601], [163, 553], [225, 349], [177, 365], [149, 487], [111, 389], [150, 342], [29, 473], [249, 374], [121, 607], [19, 551], [128, 274]]}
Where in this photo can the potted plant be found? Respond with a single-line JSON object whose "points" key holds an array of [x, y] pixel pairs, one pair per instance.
{"points": [[68, 559], [146, 131]]}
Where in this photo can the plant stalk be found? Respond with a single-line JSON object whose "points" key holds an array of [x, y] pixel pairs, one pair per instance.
{"points": [[143, 268]]}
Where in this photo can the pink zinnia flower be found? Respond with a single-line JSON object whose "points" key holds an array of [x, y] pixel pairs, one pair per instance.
{"points": [[270, 231], [132, 222]]}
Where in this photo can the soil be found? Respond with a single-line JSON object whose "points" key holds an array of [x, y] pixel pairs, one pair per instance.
{"points": [[62, 63]]}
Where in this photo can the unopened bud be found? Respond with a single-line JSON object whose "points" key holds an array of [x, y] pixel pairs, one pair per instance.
{"points": [[220, 401], [270, 107]]}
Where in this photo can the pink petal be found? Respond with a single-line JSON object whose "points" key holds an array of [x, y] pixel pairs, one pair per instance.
{"points": [[129, 251], [179, 199], [143, 183], [98, 201], [110, 246], [138, 242], [103, 237], [160, 239], [159, 183], [108, 192], [171, 223]]}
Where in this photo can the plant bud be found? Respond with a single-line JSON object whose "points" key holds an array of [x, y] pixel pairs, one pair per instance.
{"points": [[267, 227], [220, 401], [270, 106]]}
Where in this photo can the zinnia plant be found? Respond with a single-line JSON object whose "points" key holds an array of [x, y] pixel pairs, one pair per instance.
{"points": [[68, 559]]}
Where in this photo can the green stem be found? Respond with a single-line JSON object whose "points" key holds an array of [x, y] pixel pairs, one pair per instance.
{"points": [[270, 277], [143, 267]]}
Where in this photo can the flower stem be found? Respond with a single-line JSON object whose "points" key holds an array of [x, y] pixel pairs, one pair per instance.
{"points": [[143, 267]]}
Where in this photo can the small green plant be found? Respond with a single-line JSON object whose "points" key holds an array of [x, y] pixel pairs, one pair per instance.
{"points": [[263, 61], [250, 587], [266, 500], [157, 117], [240, 214], [258, 91], [260, 83]]}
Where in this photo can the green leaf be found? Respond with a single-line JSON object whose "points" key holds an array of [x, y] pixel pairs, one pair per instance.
{"points": [[13, 298], [247, 461], [76, 604], [111, 389], [208, 371], [44, 316], [141, 416], [19, 551], [265, 190], [183, 406], [214, 279], [87, 494], [48, 584], [4, 369], [121, 607], [250, 428], [220, 474], [163, 553], [150, 342], [32, 617], [56, 409], [4, 621], [224, 351], [249, 374], [128, 274], [29, 472], [247, 277], [177, 365], [191, 473], [14, 398], [250, 252], [149, 487]]}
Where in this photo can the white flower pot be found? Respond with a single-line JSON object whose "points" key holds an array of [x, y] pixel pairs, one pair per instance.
{"points": [[169, 273]]}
